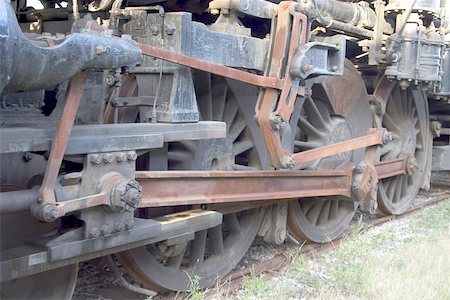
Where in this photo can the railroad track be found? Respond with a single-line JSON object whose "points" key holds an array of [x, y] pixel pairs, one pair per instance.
{"points": [[282, 258]]}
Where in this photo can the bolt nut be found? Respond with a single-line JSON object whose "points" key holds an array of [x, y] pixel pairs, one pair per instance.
{"points": [[387, 137], [170, 29], [107, 158], [129, 224], [308, 67], [126, 195], [119, 226], [28, 156], [359, 169], [94, 233], [288, 162], [96, 159], [101, 49], [110, 80], [121, 157], [355, 187], [214, 11], [132, 155], [411, 166], [106, 230], [334, 68]]}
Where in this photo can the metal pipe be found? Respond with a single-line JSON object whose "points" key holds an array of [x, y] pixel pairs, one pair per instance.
{"points": [[344, 16], [125, 283], [17, 201], [27, 67], [344, 12]]}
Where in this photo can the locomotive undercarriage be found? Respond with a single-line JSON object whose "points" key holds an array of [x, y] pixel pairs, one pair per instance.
{"points": [[253, 119]]}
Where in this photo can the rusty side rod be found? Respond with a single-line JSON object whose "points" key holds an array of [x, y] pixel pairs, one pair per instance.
{"points": [[73, 96]]}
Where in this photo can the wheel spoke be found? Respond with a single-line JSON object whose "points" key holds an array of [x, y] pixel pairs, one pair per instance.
{"points": [[306, 145], [219, 100], [236, 129], [398, 188], [231, 110], [390, 124], [309, 129], [325, 212], [197, 250], [179, 156], [392, 188], [216, 238], [174, 262], [233, 223], [242, 146], [314, 213], [314, 114], [391, 108]]}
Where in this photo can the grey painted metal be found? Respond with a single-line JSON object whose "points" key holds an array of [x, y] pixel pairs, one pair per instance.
{"points": [[11, 202], [441, 161], [257, 8], [30, 259], [172, 84], [26, 66], [323, 57], [430, 6], [419, 53], [109, 137]]}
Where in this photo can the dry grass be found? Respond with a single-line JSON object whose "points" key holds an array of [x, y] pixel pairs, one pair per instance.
{"points": [[403, 259]]}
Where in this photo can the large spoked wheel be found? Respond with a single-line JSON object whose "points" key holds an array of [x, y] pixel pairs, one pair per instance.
{"points": [[214, 252], [337, 111], [406, 117], [54, 284]]}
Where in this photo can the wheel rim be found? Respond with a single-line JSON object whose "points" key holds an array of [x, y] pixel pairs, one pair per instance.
{"points": [[216, 251], [406, 117], [327, 119], [54, 284]]}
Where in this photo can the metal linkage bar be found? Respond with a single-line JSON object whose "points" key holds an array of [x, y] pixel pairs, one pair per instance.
{"points": [[73, 96], [195, 63], [375, 136], [203, 187]]}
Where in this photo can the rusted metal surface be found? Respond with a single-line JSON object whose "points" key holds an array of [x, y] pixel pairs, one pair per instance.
{"points": [[373, 137], [290, 86], [206, 187], [269, 97], [73, 96], [394, 167], [252, 189], [261, 81]]}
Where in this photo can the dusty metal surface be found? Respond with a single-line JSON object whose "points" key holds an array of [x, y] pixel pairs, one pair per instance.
{"points": [[15, 262]]}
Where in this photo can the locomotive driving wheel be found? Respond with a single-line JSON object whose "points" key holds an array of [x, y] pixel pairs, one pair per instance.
{"points": [[216, 251], [54, 284], [406, 117], [338, 110]]}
